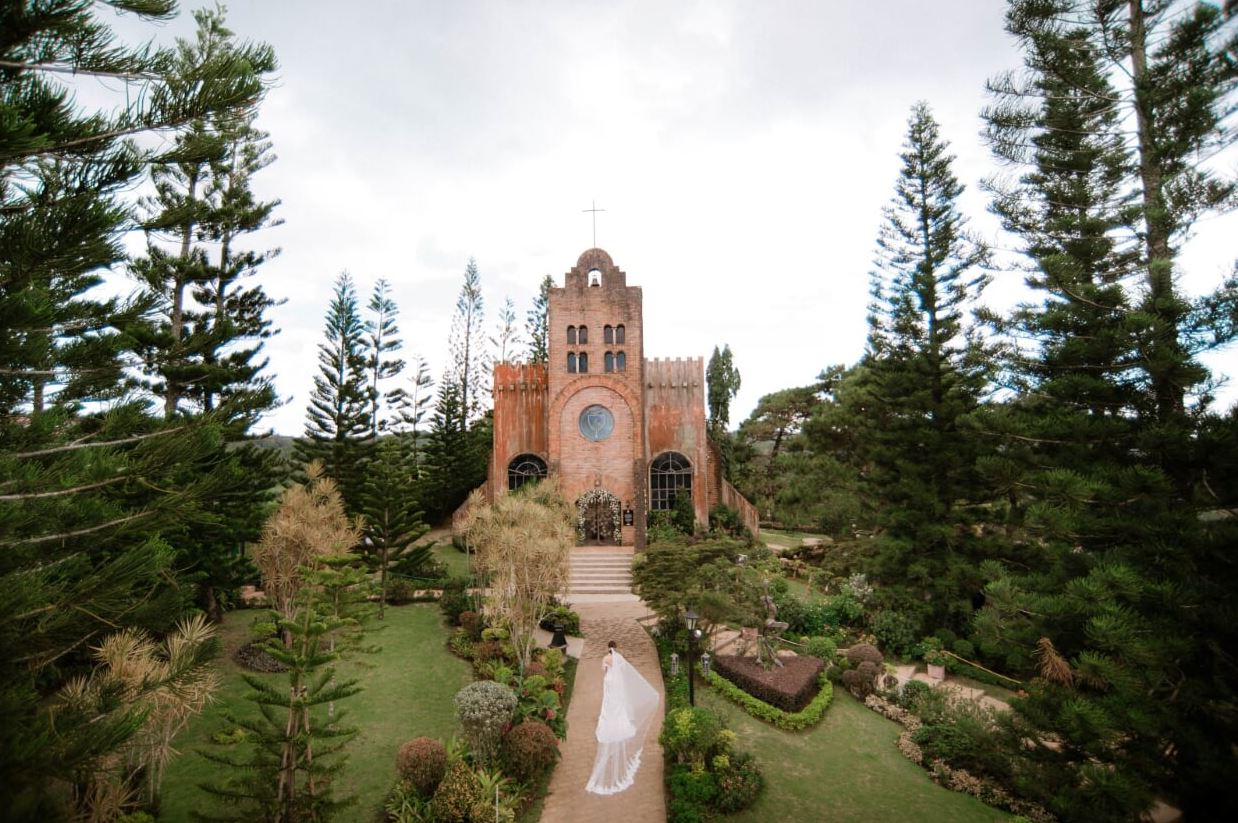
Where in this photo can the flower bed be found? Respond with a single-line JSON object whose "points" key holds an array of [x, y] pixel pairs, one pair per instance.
{"points": [[789, 721], [789, 687]]}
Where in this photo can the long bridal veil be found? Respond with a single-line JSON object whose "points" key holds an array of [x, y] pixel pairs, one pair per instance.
{"points": [[628, 704]]}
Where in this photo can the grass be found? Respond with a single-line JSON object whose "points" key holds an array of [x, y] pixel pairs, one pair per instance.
{"points": [[408, 687], [846, 769]]}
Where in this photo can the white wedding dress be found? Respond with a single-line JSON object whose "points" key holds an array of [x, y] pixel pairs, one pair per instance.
{"points": [[628, 705]]}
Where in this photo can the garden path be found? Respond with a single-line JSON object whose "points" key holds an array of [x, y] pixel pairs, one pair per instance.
{"points": [[566, 799]]}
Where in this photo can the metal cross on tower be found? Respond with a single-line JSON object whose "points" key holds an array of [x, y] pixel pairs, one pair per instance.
{"points": [[594, 212]]}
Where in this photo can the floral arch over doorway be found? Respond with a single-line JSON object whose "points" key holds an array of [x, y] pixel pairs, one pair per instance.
{"points": [[590, 508]]}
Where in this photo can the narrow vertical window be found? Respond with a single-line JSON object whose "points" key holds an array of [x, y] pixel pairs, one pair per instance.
{"points": [[571, 335], [608, 361], [621, 362], [608, 334], [583, 363], [571, 362], [619, 334], [583, 335]]}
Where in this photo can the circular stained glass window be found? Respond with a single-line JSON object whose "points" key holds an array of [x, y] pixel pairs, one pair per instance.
{"points": [[596, 423]]}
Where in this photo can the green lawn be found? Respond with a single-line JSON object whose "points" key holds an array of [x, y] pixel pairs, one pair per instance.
{"points": [[408, 689], [847, 768]]}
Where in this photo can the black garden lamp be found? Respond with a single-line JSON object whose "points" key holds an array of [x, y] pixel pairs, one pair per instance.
{"points": [[558, 641], [694, 634]]}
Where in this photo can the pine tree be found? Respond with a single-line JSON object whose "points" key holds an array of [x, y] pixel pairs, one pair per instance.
{"points": [[1119, 612], [455, 456], [91, 481], [506, 335], [924, 372], [469, 361], [338, 429], [413, 405], [537, 323], [723, 382], [392, 519], [381, 364]]}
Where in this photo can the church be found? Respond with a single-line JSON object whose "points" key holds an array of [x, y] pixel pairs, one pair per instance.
{"points": [[622, 436]]}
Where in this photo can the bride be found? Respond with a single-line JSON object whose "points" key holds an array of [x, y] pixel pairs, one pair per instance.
{"points": [[628, 704]]}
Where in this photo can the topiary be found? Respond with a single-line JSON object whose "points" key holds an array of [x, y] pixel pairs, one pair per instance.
{"points": [[529, 748], [484, 708], [861, 681], [864, 652], [422, 762], [456, 795]]}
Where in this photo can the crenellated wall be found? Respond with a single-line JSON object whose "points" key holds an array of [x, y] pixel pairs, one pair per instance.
{"points": [[521, 395], [675, 419]]}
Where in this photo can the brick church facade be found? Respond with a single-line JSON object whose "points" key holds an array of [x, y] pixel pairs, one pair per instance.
{"points": [[620, 434]]}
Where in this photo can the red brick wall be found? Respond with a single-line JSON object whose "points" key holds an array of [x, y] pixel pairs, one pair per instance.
{"points": [[520, 401], [675, 420]]}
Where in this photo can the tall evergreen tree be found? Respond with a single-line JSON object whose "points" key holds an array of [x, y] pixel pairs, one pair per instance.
{"points": [[413, 405], [382, 337], [392, 517], [468, 359], [455, 455], [537, 323], [722, 382], [337, 431], [506, 335], [1122, 605], [91, 480], [925, 374]]}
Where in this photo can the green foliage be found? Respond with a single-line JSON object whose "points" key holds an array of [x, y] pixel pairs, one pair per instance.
{"points": [[537, 323], [565, 616], [822, 647], [392, 520], [537, 699], [337, 431], [726, 520], [739, 783], [895, 631], [422, 762], [455, 599], [789, 721], [529, 749], [457, 794], [692, 735], [484, 708], [722, 384]]}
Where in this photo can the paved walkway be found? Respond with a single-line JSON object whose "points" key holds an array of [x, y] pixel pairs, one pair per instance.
{"points": [[566, 800]]}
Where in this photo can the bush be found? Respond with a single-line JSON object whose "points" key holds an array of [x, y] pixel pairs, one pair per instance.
{"points": [[472, 623], [484, 708], [862, 680], [692, 735], [455, 599], [698, 788], [456, 795], [564, 615], [810, 716], [460, 645], [739, 783], [865, 653], [913, 693], [789, 687], [822, 648], [422, 762], [724, 519], [529, 749], [964, 737], [895, 631], [400, 590]]}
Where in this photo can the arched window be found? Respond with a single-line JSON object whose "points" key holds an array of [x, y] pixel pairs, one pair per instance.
{"points": [[571, 362], [619, 334], [608, 361], [670, 475], [583, 335], [608, 334], [525, 468], [582, 363], [621, 361], [571, 335]]}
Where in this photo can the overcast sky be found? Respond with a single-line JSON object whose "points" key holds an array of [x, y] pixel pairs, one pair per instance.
{"points": [[742, 151]]}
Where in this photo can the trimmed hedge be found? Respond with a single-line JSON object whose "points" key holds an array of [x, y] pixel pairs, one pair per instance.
{"points": [[789, 721], [789, 687]]}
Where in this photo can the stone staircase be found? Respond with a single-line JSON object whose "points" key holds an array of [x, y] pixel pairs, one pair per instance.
{"points": [[601, 574]]}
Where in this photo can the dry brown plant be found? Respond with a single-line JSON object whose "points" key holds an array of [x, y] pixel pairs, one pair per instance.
{"points": [[169, 682], [1053, 667], [523, 543], [309, 524]]}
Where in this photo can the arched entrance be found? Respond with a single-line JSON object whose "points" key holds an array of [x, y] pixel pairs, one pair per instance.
{"points": [[597, 518]]}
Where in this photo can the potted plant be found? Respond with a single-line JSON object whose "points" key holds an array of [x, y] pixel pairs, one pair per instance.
{"points": [[934, 658]]}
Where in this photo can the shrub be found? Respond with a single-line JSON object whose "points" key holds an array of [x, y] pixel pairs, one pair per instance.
{"points": [[484, 708], [895, 631], [822, 648], [454, 602], [914, 691], [692, 786], [564, 615], [552, 659], [864, 652], [723, 518], [460, 645], [456, 795], [404, 805], [789, 687], [529, 748], [422, 762], [472, 623], [400, 591], [691, 735], [739, 783], [964, 737], [810, 716], [862, 680], [964, 648]]}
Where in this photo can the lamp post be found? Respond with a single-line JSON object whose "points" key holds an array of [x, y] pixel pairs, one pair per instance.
{"points": [[694, 634]]}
